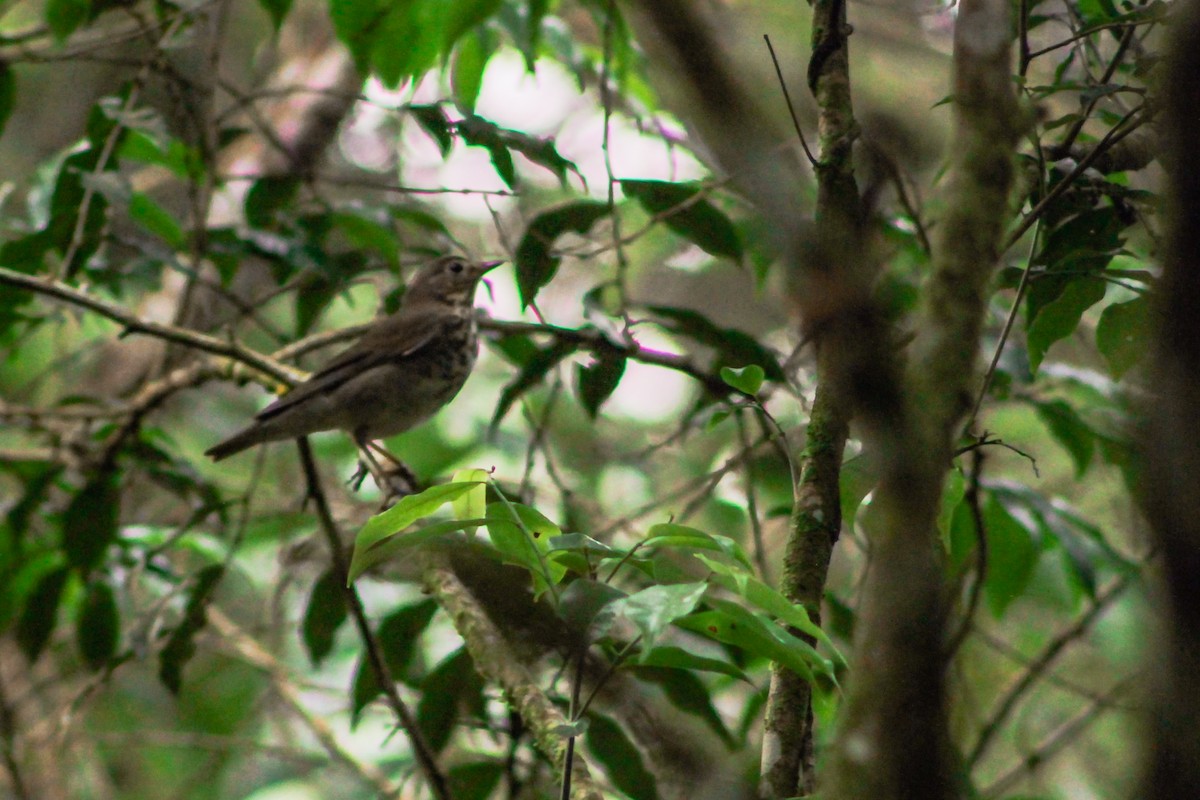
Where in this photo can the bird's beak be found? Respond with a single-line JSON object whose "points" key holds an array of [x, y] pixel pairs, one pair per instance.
{"points": [[487, 266]]}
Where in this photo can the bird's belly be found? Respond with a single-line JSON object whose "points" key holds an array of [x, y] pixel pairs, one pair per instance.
{"points": [[387, 404]]}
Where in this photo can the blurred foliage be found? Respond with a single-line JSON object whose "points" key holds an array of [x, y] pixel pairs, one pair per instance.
{"points": [[176, 623]]}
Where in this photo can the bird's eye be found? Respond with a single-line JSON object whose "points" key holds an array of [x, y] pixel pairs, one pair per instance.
{"points": [[456, 267]]}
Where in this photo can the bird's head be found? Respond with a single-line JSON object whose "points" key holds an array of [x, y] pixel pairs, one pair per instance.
{"points": [[450, 280]]}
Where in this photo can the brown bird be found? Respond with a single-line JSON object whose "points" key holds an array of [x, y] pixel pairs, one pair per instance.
{"points": [[402, 371]]}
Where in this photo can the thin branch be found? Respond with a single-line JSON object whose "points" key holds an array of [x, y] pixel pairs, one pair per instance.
{"points": [[421, 750], [788, 98], [1009, 699]]}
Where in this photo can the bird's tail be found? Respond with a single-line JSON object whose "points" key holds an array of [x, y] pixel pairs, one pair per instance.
{"points": [[235, 444]]}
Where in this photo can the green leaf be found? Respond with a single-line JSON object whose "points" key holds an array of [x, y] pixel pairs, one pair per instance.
{"points": [[451, 688], [276, 10], [90, 521], [466, 75], [369, 234], [325, 614], [689, 694], [655, 607], [1012, 556], [1069, 430], [407, 511], [267, 197], [482, 133], [155, 219], [181, 645], [767, 599], [40, 614], [733, 347], [389, 548], [534, 259], [8, 93], [1059, 318], [953, 491], [433, 121], [98, 625], [1123, 334], [64, 16], [463, 15], [473, 504], [730, 623], [747, 379], [669, 656], [398, 636], [544, 360], [696, 220], [598, 380], [622, 761], [522, 535], [476, 780], [669, 534], [587, 605]]}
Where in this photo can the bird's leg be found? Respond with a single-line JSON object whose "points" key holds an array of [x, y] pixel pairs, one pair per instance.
{"points": [[398, 468], [383, 476]]}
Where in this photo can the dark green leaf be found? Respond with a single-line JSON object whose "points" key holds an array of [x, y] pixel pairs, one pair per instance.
{"points": [[1069, 429], [1123, 334], [37, 478], [40, 614], [451, 689], [546, 359], [277, 10], [181, 645], [433, 120], [733, 347], [534, 260], [64, 16], [408, 40], [686, 212], [687, 693], [90, 521], [1060, 317], [398, 636], [673, 657], [476, 780], [325, 614], [463, 15], [8, 93], [587, 604], [620, 758], [482, 133], [267, 197], [730, 623], [98, 626], [370, 234], [598, 380]]}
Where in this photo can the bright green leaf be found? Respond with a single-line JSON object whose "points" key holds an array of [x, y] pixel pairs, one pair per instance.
{"points": [[523, 534], [1059, 318], [1069, 430], [1012, 556], [155, 219], [747, 379], [466, 75], [407, 511], [669, 534]]}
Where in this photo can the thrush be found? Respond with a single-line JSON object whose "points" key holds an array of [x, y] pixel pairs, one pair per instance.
{"points": [[402, 371]]}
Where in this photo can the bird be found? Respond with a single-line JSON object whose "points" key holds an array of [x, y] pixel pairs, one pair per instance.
{"points": [[406, 367]]}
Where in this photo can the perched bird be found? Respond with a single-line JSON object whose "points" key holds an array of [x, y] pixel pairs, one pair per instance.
{"points": [[404, 368]]}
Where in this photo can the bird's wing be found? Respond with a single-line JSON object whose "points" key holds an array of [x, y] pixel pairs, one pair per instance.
{"points": [[390, 340]]}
